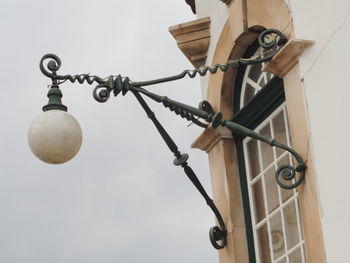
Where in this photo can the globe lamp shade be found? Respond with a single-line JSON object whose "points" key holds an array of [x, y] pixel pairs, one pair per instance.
{"points": [[55, 136]]}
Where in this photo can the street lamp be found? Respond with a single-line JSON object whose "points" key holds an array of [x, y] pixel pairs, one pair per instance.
{"points": [[55, 136]]}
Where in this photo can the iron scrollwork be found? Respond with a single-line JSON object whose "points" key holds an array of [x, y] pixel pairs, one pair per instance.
{"points": [[270, 40]]}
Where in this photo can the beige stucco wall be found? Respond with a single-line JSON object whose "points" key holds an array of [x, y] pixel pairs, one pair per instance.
{"points": [[325, 69], [234, 37], [218, 13]]}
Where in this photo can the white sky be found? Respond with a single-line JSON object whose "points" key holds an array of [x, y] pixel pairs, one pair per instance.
{"points": [[120, 199]]}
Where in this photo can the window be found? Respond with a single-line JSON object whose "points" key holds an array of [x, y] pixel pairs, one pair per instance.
{"points": [[272, 214], [254, 79]]}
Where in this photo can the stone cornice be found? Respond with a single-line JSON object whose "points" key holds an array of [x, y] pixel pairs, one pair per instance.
{"points": [[210, 137], [193, 39], [287, 57]]}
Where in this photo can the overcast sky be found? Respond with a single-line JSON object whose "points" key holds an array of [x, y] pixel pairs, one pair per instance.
{"points": [[120, 199]]}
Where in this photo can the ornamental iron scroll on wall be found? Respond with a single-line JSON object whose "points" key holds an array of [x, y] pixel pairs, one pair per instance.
{"points": [[192, 4], [227, 2], [270, 40]]}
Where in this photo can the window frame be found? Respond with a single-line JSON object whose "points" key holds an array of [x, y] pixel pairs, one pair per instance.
{"points": [[286, 198], [262, 105], [252, 119]]}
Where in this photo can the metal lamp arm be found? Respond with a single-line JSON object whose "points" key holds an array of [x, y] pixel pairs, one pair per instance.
{"points": [[55, 64], [179, 108], [215, 233], [270, 40], [284, 174]]}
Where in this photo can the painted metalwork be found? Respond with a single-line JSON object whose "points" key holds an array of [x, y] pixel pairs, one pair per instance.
{"points": [[270, 40]]}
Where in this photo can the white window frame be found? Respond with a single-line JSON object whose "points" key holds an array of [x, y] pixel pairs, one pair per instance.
{"points": [[293, 198]]}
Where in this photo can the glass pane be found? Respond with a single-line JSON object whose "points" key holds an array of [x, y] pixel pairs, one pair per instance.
{"points": [[258, 197], [278, 246], [283, 260], [255, 72], [253, 158], [290, 223], [269, 76], [295, 256], [248, 94], [263, 244], [266, 150], [271, 190], [286, 193], [262, 81], [279, 130]]}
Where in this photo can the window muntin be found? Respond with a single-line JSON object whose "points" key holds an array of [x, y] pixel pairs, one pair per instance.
{"points": [[275, 212], [254, 79]]}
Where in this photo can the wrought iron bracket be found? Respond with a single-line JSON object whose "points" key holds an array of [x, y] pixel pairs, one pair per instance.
{"points": [[270, 40]]}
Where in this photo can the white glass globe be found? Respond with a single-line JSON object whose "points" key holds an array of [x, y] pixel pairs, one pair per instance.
{"points": [[55, 136]]}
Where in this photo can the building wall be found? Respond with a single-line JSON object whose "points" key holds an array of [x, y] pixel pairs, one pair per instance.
{"points": [[218, 13], [324, 69]]}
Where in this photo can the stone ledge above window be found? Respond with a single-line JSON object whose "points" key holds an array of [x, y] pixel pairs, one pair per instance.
{"points": [[193, 39], [210, 137], [287, 57]]}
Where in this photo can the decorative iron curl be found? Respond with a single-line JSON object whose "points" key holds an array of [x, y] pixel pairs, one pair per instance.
{"points": [[215, 235], [288, 173], [101, 93], [53, 65], [51, 68], [271, 38]]}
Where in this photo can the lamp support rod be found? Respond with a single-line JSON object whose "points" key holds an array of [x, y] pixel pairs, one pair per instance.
{"points": [[270, 40], [215, 233], [284, 174]]}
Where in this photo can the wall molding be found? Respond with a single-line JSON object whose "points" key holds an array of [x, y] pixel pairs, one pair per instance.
{"points": [[245, 18], [193, 39], [287, 57], [210, 137]]}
